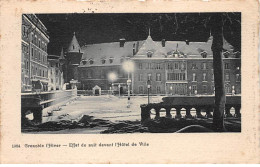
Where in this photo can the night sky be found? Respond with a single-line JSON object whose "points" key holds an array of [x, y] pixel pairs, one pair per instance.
{"points": [[99, 28]]}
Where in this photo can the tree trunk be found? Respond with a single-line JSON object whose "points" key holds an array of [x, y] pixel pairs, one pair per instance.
{"points": [[220, 97]]}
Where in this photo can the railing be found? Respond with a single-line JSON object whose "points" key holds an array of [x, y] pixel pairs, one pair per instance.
{"points": [[35, 102], [202, 103]]}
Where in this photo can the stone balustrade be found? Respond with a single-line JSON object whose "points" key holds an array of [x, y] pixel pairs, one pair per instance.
{"points": [[35, 103], [200, 104]]}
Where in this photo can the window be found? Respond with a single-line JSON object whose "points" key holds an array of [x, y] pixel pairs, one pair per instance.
{"points": [[158, 77], [204, 88], [194, 78], [228, 88], [237, 78], [24, 31], [141, 90], [102, 74], [91, 61], [204, 76], [103, 61], [158, 66], [176, 76], [204, 66], [194, 66], [182, 66], [176, 65], [111, 60], [140, 66], [212, 77], [193, 89], [43, 73], [32, 52], [140, 77], [227, 78], [226, 65], [149, 77], [158, 89], [89, 74], [149, 54], [149, 66], [84, 62]]}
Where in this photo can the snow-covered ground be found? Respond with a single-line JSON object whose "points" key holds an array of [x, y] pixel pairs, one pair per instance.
{"points": [[104, 107]]}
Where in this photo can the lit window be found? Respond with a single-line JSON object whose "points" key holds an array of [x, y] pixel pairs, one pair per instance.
{"points": [[237, 77], [204, 76], [194, 77], [149, 77], [204, 66], [227, 77]]}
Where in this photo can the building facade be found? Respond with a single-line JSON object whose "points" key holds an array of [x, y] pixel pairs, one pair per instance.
{"points": [[173, 67], [34, 65], [183, 68], [55, 72]]}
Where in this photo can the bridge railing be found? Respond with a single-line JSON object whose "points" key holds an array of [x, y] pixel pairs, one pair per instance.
{"points": [[202, 103], [36, 102]]}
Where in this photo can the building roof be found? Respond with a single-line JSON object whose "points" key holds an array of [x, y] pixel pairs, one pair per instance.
{"points": [[107, 51], [74, 45], [98, 52]]}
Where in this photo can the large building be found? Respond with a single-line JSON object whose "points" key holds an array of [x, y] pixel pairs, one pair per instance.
{"points": [[34, 65], [173, 67]]}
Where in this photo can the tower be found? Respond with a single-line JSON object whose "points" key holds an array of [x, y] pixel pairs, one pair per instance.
{"points": [[73, 58]]}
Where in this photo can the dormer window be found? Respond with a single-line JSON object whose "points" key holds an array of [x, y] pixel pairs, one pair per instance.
{"points": [[91, 61], [111, 59], [149, 53], [84, 62], [103, 61], [226, 54], [204, 54]]}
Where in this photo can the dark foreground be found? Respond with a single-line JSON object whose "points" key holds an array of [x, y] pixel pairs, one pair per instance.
{"points": [[161, 125]]}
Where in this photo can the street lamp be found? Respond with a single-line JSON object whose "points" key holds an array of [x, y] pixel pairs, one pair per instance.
{"points": [[148, 89], [128, 66], [112, 77]]}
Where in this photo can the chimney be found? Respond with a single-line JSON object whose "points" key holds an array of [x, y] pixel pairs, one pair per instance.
{"points": [[134, 49], [122, 42], [163, 42]]}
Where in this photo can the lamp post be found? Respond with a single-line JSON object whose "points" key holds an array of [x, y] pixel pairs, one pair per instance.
{"points": [[119, 89], [190, 90], [112, 78], [128, 66], [148, 89]]}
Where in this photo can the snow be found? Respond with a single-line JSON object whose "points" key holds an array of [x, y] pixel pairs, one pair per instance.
{"points": [[105, 107]]}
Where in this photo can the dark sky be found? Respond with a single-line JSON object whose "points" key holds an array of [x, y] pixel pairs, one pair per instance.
{"points": [[99, 28]]}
